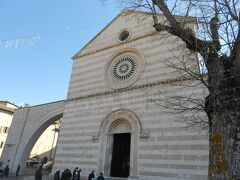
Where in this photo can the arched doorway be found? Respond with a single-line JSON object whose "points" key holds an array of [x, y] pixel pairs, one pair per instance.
{"points": [[120, 132], [119, 135]]}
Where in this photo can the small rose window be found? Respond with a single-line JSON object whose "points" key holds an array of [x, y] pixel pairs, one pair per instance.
{"points": [[124, 35]]}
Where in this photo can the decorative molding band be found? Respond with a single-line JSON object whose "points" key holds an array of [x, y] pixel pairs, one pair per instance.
{"points": [[115, 45], [144, 133], [169, 81]]}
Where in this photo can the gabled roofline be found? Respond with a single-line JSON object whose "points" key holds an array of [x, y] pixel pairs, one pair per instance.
{"points": [[125, 11], [76, 55]]}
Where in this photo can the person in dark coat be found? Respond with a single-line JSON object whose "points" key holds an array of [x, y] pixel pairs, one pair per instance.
{"points": [[57, 175], [18, 169], [1, 172], [62, 176], [100, 177], [91, 175], [38, 173], [6, 171], [75, 174], [78, 174], [66, 175]]}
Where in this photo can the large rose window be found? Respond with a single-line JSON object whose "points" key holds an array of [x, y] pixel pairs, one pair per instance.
{"points": [[124, 69]]}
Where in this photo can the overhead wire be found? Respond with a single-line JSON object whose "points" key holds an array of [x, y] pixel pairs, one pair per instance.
{"points": [[30, 40]]}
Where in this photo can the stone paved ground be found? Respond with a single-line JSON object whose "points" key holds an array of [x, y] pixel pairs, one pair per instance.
{"points": [[24, 178], [12, 178]]}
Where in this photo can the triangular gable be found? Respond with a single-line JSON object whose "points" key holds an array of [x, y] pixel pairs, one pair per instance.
{"points": [[89, 47], [125, 11]]}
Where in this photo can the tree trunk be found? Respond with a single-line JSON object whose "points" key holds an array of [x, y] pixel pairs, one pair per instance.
{"points": [[224, 162], [223, 109], [223, 102]]}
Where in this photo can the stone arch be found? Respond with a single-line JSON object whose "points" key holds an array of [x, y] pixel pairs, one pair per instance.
{"points": [[120, 126], [33, 135], [122, 117], [120, 114]]}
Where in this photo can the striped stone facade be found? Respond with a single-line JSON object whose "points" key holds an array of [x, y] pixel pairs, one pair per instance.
{"points": [[162, 147]]}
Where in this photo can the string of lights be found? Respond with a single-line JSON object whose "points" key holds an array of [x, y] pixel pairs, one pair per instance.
{"points": [[31, 40]]}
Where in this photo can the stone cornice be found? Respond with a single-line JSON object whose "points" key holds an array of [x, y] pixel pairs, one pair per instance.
{"points": [[143, 86], [7, 109], [44, 104]]}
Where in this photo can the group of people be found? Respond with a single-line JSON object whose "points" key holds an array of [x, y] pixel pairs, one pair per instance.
{"points": [[5, 171], [67, 175], [91, 176]]}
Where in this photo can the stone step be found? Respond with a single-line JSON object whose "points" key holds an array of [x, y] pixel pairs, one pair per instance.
{"points": [[115, 178], [120, 178]]}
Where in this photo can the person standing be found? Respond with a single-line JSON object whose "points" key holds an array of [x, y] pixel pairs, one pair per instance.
{"points": [[18, 169], [57, 175], [6, 171], [38, 173], [91, 175], [78, 174], [75, 174], [66, 174], [100, 177]]}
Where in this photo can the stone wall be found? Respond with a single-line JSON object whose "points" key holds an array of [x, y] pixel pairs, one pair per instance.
{"points": [[27, 125], [171, 150]]}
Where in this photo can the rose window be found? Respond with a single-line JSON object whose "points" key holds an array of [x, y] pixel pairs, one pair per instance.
{"points": [[123, 70]]}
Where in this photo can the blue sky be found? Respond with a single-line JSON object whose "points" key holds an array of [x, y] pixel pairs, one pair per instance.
{"points": [[38, 39]]}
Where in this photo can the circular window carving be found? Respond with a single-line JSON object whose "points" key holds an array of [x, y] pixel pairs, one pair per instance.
{"points": [[124, 69], [124, 35]]}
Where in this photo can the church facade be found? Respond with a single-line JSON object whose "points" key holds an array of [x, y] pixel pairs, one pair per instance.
{"points": [[111, 121]]}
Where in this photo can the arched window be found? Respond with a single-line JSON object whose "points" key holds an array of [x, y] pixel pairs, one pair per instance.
{"points": [[1, 145]]}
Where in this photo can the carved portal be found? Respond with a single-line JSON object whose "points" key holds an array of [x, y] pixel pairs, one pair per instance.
{"points": [[119, 121]]}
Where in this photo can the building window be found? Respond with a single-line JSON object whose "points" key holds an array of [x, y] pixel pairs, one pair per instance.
{"points": [[124, 35], [124, 68], [5, 129], [1, 145]]}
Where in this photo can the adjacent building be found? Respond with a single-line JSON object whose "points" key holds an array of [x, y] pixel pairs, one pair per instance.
{"points": [[6, 115]]}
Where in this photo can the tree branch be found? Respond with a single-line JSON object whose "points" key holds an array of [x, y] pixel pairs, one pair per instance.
{"points": [[214, 32], [175, 28]]}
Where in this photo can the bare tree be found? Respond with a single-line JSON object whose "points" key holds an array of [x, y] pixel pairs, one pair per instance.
{"points": [[217, 41]]}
